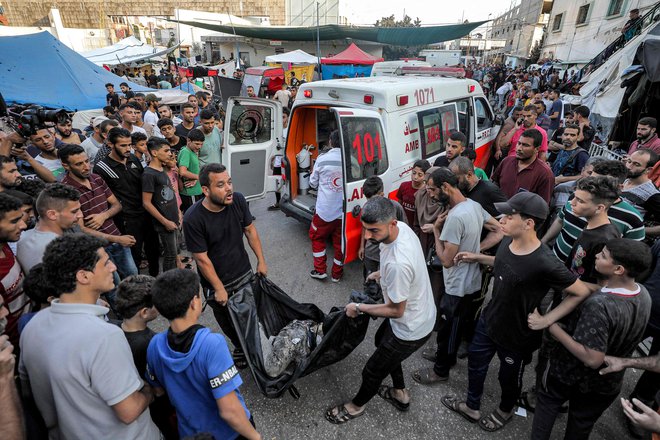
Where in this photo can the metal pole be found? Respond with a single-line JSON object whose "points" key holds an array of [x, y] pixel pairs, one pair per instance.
{"points": [[318, 35]]}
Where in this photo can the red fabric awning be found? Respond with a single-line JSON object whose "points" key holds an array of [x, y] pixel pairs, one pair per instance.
{"points": [[352, 55]]}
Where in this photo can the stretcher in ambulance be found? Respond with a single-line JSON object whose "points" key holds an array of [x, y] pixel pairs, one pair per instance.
{"points": [[385, 124]]}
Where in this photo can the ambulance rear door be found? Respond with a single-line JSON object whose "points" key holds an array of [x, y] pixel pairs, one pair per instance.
{"points": [[364, 154], [485, 131], [252, 135]]}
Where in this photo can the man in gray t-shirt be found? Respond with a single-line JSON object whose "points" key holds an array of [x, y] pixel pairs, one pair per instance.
{"points": [[458, 230], [78, 367]]}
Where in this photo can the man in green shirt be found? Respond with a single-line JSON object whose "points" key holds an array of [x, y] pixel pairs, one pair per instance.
{"points": [[189, 167], [211, 151]]}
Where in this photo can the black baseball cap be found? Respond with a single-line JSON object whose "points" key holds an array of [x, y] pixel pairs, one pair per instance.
{"points": [[526, 203]]}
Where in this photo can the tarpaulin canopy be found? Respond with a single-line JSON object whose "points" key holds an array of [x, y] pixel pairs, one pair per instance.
{"points": [[404, 36], [125, 51], [352, 55], [44, 71], [294, 57]]}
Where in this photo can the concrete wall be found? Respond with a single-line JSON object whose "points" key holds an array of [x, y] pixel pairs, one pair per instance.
{"points": [[521, 27], [571, 43], [93, 14]]}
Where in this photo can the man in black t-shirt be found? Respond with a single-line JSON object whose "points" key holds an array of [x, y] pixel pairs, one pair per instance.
{"points": [[524, 271], [484, 192], [587, 132], [111, 99], [214, 228]]}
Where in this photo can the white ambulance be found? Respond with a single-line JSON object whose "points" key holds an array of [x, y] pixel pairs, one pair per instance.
{"points": [[385, 123]]}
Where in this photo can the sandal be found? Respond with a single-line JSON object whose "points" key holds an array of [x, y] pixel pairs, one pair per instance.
{"points": [[426, 376], [386, 393], [339, 414], [523, 402], [494, 422], [452, 403]]}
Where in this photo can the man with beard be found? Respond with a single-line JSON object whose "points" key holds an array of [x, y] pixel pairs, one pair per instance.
{"points": [[129, 117], [188, 114], [638, 188], [122, 172], [484, 192], [99, 206], [11, 274], [67, 134], [458, 230], [525, 171], [409, 310], [95, 141], [9, 175], [58, 207], [527, 121], [570, 160], [211, 151], [455, 147], [646, 136], [214, 228], [166, 112], [42, 141]]}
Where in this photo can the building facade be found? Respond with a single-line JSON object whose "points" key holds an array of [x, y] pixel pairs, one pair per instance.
{"points": [[579, 30], [521, 27]]}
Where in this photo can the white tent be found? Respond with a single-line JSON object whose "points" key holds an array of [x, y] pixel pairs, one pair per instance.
{"points": [[126, 51], [294, 57], [602, 91]]}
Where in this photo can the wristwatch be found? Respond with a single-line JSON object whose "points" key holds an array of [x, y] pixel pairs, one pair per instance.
{"points": [[357, 309]]}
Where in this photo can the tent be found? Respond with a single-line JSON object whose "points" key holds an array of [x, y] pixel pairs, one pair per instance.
{"points": [[350, 63], [128, 50], [42, 70], [294, 57], [606, 88]]}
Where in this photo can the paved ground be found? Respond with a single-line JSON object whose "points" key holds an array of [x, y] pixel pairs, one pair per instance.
{"points": [[288, 254]]}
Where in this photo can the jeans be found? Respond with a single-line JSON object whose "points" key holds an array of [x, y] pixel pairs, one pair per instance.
{"points": [[141, 228], [386, 360], [456, 317], [512, 366], [123, 259], [584, 409], [168, 240]]}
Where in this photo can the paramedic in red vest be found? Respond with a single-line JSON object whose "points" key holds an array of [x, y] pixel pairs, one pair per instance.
{"points": [[327, 177]]}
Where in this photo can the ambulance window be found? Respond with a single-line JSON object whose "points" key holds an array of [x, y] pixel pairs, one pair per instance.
{"points": [[463, 116], [364, 147], [436, 125], [250, 124], [484, 116]]}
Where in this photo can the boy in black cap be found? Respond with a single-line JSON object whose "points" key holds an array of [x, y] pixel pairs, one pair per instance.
{"points": [[524, 271]]}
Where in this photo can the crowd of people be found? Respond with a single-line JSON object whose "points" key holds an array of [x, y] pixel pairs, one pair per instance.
{"points": [[547, 250]]}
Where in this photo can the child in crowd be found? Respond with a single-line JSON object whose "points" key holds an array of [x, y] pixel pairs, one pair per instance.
{"points": [[40, 292], [609, 322], [369, 251], [407, 190], [194, 365], [139, 141], [177, 183], [134, 303]]}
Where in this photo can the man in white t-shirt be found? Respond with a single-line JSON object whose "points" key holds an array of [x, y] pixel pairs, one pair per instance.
{"points": [[151, 115], [95, 141], [283, 96], [409, 310]]}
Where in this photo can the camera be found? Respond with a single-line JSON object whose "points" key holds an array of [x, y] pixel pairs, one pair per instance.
{"points": [[27, 119]]}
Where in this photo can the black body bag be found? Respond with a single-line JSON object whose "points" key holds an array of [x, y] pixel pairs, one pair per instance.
{"points": [[261, 301]]}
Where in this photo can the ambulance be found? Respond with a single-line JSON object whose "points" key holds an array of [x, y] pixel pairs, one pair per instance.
{"points": [[385, 124]]}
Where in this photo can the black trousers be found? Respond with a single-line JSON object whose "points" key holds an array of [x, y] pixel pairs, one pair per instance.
{"points": [[142, 229], [584, 409], [386, 360]]}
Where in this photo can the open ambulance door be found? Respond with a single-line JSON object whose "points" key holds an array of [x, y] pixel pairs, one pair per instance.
{"points": [[364, 154], [485, 131], [253, 134]]}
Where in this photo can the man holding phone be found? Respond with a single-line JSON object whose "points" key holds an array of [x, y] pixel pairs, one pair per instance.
{"points": [[526, 121]]}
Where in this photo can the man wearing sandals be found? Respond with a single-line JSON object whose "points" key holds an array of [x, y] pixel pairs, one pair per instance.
{"points": [[409, 310], [524, 271]]}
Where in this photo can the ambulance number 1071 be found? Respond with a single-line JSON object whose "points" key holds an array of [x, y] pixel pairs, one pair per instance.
{"points": [[424, 96]]}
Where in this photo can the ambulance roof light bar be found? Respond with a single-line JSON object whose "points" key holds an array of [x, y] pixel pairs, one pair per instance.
{"points": [[453, 72]]}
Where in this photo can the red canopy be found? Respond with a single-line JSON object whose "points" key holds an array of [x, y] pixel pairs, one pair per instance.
{"points": [[352, 55]]}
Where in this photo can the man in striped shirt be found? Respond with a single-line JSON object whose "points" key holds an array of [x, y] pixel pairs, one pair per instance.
{"points": [[568, 226]]}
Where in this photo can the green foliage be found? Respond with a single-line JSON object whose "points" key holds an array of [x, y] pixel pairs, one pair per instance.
{"points": [[393, 53]]}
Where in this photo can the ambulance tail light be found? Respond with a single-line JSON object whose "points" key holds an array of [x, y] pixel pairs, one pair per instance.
{"points": [[471, 88], [307, 93], [368, 99], [401, 100]]}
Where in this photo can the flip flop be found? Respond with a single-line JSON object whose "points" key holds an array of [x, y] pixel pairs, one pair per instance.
{"points": [[386, 393], [426, 376], [494, 419], [452, 403], [342, 415]]}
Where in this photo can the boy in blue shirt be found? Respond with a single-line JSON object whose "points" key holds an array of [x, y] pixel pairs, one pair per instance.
{"points": [[194, 365]]}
